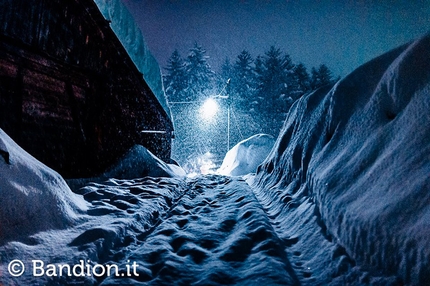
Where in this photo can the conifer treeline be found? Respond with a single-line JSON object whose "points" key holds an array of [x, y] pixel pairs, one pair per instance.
{"points": [[264, 87], [260, 93]]}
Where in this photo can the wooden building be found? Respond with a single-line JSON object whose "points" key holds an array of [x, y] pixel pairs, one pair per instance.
{"points": [[69, 93]]}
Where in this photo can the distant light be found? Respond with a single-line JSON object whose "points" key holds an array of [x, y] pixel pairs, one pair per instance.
{"points": [[209, 109]]}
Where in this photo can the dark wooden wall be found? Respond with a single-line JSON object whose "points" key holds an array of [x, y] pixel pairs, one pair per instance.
{"points": [[69, 93]]}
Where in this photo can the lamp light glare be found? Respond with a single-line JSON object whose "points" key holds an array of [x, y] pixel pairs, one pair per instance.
{"points": [[209, 109]]}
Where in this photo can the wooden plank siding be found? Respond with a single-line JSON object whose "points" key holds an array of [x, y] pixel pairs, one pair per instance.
{"points": [[69, 93]]}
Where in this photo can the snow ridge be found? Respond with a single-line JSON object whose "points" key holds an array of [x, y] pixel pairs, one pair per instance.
{"points": [[360, 152]]}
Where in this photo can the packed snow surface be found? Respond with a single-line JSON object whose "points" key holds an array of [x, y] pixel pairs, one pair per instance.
{"points": [[342, 199], [208, 230], [247, 155]]}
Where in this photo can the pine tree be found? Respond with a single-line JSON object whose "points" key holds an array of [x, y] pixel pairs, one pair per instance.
{"points": [[226, 70], [243, 81], [321, 77], [302, 81], [175, 79], [259, 71], [257, 97], [274, 74], [326, 76], [199, 73], [226, 74]]}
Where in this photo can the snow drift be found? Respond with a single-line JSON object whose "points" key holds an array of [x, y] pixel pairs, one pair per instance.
{"points": [[360, 155], [33, 197], [246, 155], [138, 162]]}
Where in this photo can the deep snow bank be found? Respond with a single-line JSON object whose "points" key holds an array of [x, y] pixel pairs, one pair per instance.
{"points": [[361, 153], [33, 197], [246, 155]]}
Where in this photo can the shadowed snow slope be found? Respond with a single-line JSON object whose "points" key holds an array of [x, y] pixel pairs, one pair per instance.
{"points": [[32, 196], [360, 155], [245, 157], [137, 162]]}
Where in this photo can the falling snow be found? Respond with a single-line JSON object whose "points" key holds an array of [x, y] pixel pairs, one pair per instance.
{"points": [[341, 199]]}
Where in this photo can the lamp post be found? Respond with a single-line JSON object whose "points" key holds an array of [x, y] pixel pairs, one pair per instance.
{"points": [[229, 101]]}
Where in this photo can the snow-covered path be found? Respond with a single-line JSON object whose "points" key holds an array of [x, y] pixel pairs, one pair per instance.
{"points": [[209, 230], [216, 232], [203, 231]]}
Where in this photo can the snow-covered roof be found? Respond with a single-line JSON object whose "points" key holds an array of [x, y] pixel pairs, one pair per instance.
{"points": [[129, 34]]}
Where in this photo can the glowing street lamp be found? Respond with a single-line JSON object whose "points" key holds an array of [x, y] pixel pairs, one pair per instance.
{"points": [[209, 109]]}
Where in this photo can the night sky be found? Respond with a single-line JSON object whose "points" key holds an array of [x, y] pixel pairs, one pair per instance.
{"points": [[341, 34]]}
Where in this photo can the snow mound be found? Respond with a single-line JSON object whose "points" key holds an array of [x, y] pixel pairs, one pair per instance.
{"points": [[138, 162], [360, 155], [245, 157], [33, 197]]}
